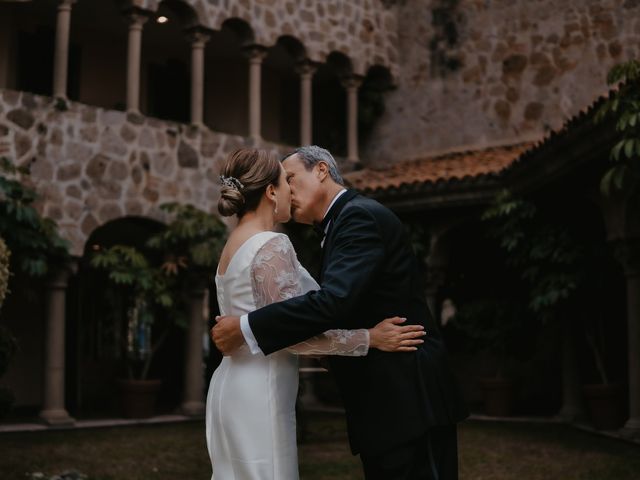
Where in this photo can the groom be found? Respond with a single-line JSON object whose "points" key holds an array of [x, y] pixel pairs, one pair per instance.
{"points": [[402, 408]]}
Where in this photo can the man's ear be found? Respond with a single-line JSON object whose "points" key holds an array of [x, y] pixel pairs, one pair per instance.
{"points": [[323, 171]]}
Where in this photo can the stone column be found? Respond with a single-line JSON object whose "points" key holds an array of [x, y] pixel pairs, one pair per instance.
{"points": [[572, 408], [256, 55], [193, 399], [351, 84], [136, 18], [306, 69], [61, 55], [628, 254], [198, 38], [54, 412]]}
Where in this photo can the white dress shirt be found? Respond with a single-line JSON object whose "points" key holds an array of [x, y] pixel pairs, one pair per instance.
{"points": [[244, 319]]}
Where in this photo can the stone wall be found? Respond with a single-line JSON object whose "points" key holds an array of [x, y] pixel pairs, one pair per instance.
{"points": [[93, 165], [364, 30], [487, 72]]}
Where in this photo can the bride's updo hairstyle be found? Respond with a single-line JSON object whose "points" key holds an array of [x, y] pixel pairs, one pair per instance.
{"points": [[245, 175]]}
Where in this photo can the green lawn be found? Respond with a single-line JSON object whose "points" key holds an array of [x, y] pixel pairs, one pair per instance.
{"points": [[164, 452]]}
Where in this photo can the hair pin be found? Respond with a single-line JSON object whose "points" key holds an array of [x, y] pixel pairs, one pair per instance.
{"points": [[231, 182]]}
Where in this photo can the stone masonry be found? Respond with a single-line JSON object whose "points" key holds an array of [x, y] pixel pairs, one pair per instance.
{"points": [[92, 165], [518, 70], [363, 30]]}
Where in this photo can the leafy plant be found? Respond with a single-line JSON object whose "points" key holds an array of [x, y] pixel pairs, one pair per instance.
{"points": [[548, 258], [193, 239], [190, 244], [33, 239], [553, 261], [492, 325], [623, 107], [150, 292]]}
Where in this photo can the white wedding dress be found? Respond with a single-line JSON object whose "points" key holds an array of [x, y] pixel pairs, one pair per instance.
{"points": [[250, 416]]}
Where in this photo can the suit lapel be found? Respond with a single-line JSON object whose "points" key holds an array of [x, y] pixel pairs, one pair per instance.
{"points": [[330, 219]]}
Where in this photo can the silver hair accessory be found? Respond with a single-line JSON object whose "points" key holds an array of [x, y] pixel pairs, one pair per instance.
{"points": [[231, 182]]}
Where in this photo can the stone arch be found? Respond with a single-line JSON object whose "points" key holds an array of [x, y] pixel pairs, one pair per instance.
{"points": [[187, 15], [131, 225], [102, 323], [371, 95], [380, 75], [241, 28], [340, 63], [293, 46], [368, 35]]}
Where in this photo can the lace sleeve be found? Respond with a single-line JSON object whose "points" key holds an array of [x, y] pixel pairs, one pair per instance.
{"points": [[274, 272], [275, 276], [347, 343]]}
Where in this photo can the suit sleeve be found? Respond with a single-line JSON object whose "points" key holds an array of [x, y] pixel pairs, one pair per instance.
{"points": [[356, 256]]}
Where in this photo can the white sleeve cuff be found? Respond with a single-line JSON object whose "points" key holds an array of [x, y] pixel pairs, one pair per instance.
{"points": [[248, 335]]}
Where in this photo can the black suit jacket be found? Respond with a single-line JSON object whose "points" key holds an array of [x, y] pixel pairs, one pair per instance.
{"points": [[369, 273]]}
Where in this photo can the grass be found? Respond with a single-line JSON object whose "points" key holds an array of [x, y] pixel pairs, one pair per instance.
{"points": [[177, 451]]}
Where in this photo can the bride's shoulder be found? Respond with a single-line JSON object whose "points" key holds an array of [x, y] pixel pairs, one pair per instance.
{"points": [[277, 240], [275, 246]]}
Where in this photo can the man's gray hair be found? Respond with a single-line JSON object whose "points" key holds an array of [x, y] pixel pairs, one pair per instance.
{"points": [[313, 154]]}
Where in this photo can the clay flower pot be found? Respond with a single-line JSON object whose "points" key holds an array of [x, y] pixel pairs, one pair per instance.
{"points": [[139, 397], [498, 396], [605, 404]]}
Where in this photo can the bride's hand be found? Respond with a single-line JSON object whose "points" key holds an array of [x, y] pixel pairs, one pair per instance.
{"points": [[390, 336]]}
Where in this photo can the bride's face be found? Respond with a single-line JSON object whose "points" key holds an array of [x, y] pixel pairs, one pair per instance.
{"points": [[283, 197]]}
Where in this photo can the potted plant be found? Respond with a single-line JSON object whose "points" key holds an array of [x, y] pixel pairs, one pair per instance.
{"points": [[604, 400], [543, 251], [190, 245], [492, 325]]}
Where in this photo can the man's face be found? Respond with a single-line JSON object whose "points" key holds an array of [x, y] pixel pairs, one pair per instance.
{"points": [[305, 190]]}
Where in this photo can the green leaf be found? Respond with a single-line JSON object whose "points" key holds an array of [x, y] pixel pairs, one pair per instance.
{"points": [[615, 151], [629, 147]]}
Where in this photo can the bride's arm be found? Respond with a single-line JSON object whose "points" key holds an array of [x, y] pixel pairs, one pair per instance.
{"points": [[277, 275]]}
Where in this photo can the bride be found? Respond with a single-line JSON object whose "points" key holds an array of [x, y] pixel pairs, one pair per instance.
{"points": [[250, 414]]}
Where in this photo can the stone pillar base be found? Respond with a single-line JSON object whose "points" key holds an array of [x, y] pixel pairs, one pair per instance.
{"points": [[570, 415], [57, 418], [631, 429], [192, 409]]}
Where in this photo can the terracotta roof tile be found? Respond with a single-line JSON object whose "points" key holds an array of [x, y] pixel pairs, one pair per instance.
{"points": [[451, 166]]}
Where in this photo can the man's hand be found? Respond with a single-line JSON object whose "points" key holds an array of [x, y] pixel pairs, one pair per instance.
{"points": [[390, 336], [227, 335]]}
